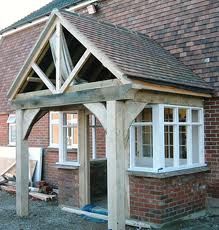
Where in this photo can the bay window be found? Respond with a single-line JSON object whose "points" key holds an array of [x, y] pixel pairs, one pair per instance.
{"points": [[166, 138]]}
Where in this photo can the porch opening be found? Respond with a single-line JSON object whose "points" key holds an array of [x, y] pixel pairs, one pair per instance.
{"points": [[98, 163]]}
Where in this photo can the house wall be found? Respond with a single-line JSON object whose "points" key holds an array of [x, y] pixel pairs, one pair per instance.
{"points": [[189, 30]]}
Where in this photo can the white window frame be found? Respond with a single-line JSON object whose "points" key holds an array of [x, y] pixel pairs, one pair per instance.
{"points": [[62, 146], [51, 123], [11, 124], [158, 139], [60, 124]]}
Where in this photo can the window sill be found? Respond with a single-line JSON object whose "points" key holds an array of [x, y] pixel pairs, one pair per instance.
{"points": [[168, 174], [63, 165], [55, 148]]}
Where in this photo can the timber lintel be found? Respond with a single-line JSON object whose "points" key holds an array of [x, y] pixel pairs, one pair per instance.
{"points": [[122, 92]]}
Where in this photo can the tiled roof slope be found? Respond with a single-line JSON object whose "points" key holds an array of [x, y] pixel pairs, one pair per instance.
{"points": [[135, 54], [14, 50], [43, 11]]}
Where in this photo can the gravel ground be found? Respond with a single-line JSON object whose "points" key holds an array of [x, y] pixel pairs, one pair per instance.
{"points": [[43, 216], [48, 216]]}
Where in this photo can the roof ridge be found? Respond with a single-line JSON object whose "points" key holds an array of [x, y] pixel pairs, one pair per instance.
{"points": [[40, 12]]}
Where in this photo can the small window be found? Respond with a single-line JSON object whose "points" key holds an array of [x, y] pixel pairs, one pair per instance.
{"points": [[12, 129], [64, 135], [69, 124]]}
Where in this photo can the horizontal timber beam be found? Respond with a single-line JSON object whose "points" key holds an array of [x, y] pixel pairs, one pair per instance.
{"points": [[123, 92]]}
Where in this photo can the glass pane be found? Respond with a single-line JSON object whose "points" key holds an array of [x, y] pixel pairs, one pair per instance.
{"points": [[144, 146], [182, 115], [75, 140], [145, 115], [168, 144], [195, 117], [13, 133], [11, 119], [70, 137], [195, 144], [71, 119], [183, 144], [75, 116], [55, 134], [168, 115], [55, 116]]}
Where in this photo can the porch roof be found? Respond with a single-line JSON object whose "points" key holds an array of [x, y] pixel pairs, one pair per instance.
{"points": [[129, 55], [137, 55]]}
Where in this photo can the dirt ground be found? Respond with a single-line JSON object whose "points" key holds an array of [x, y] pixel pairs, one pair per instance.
{"points": [[48, 216]]}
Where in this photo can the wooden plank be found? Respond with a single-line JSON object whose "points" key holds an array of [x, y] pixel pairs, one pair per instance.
{"points": [[38, 80], [41, 196], [9, 189], [167, 98], [7, 169], [169, 89], [58, 56], [75, 88], [130, 222], [115, 164], [81, 212], [84, 161], [44, 78], [79, 97], [99, 110], [75, 70], [22, 167]]}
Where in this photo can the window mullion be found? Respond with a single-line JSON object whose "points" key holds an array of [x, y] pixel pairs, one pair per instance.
{"points": [[189, 138], [94, 153], [201, 138], [158, 137], [62, 139], [132, 147]]}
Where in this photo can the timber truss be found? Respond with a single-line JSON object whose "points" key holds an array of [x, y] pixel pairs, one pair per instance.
{"points": [[63, 57]]}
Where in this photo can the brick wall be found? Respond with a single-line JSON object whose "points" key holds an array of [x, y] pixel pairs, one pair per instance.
{"points": [[14, 50], [39, 136], [68, 182], [3, 130], [162, 200], [50, 172], [188, 29], [212, 145]]}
